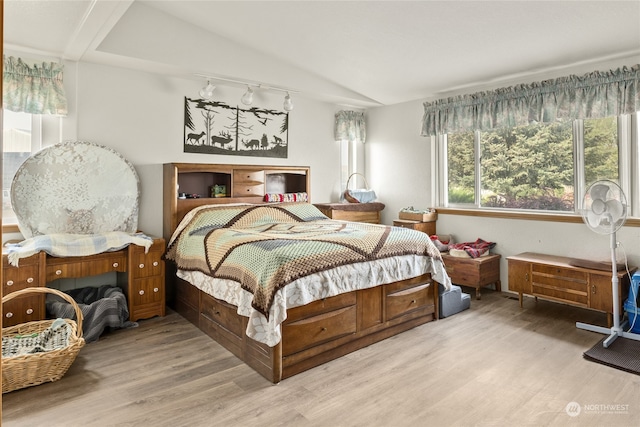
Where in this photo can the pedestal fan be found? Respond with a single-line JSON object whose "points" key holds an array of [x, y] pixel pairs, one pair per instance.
{"points": [[604, 210]]}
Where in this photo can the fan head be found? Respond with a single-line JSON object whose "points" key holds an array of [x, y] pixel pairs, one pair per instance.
{"points": [[604, 208]]}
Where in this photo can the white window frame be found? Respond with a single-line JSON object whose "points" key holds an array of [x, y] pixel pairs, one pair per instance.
{"points": [[628, 167]]}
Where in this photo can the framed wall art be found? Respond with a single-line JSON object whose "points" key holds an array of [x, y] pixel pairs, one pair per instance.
{"points": [[212, 127]]}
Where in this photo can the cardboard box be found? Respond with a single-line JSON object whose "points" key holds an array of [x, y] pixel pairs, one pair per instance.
{"points": [[417, 216]]}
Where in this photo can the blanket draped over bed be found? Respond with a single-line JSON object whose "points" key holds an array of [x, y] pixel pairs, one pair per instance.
{"points": [[266, 247]]}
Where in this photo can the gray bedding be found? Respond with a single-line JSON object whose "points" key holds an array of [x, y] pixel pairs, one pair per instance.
{"points": [[102, 307]]}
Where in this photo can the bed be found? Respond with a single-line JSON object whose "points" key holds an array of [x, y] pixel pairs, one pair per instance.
{"points": [[285, 288]]}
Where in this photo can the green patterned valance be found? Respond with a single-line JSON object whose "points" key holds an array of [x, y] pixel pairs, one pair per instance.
{"points": [[594, 95], [350, 126], [35, 89]]}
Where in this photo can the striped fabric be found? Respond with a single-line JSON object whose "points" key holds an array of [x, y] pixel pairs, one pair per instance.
{"points": [[286, 197]]}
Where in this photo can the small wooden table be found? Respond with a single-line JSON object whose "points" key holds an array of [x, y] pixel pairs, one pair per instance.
{"points": [[474, 272], [358, 212], [425, 227]]}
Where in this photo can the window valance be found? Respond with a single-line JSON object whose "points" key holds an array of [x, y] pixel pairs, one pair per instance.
{"points": [[594, 95], [350, 126], [35, 89]]}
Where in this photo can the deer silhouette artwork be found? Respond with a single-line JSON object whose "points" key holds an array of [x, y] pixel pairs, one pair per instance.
{"points": [[277, 140], [253, 144], [194, 137], [223, 139]]}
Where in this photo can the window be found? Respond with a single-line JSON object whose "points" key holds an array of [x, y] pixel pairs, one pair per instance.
{"points": [[539, 167], [352, 160], [21, 137]]}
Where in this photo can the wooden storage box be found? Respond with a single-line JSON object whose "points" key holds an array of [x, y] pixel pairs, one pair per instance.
{"points": [[417, 216], [473, 272]]}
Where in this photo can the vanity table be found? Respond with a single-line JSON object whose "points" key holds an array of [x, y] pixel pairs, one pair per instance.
{"points": [[80, 188], [140, 275]]}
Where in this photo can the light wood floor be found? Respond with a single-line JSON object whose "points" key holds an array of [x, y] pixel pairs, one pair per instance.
{"points": [[492, 365]]}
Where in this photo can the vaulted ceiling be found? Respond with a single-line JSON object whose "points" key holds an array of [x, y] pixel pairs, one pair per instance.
{"points": [[361, 53]]}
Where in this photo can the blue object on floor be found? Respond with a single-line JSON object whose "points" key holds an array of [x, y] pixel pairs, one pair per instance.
{"points": [[453, 301], [631, 304]]}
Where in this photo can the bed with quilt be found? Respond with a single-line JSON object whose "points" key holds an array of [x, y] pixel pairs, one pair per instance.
{"points": [[286, 289]]}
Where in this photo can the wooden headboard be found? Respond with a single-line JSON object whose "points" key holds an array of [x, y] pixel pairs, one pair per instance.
{"points": [[240, 183]]}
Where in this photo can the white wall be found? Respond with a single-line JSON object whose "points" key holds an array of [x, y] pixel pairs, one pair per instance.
{"points": [[398, 159], [141, 116], [399, 162]]}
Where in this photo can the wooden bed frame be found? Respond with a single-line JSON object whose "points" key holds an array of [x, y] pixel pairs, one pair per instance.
{"points": [[312, 334]]}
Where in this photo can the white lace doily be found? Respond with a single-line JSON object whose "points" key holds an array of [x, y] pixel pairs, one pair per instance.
{"points": [[78, 188]]}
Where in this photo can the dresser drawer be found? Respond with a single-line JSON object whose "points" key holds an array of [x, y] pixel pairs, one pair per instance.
{"points": [[63, 270], [100, 265], [248, 177], [248, 190], [403, 301], [20, 278], [222, 313], [321, 306], [304, 333], [560, 283], [146, 265], [23, 309]]}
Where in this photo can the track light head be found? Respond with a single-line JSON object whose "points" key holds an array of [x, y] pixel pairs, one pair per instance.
{"points": [[247, 98], [288, 103], [207, 91]]}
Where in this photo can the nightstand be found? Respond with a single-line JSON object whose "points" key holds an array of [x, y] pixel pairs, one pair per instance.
{"points": [[425, 227], [358, 212]]}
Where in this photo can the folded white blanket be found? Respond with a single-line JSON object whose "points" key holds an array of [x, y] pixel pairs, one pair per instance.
{"points": [[69, 245]]}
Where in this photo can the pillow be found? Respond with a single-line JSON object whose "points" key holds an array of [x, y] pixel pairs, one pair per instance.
{"points": [[286, 197]]}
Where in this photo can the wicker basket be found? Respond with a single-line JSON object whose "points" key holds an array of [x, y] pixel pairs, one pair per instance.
{"points": [[33, 369], [358, 196]]}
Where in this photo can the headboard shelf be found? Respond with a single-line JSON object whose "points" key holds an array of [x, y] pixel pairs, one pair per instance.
{"points": [[242, 184]]}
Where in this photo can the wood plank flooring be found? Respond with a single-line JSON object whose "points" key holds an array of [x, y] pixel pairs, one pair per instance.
{"points": [[492, 365]]}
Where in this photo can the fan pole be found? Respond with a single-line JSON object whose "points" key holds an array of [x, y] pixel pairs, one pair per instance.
{"points": [[616, 329]]}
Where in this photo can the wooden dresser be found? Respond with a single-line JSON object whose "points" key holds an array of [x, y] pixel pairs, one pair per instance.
{"points": [[142, 274], [556, 278]]}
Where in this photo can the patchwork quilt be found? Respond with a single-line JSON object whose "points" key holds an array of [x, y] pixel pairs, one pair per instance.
{"points": [[266, 247]]}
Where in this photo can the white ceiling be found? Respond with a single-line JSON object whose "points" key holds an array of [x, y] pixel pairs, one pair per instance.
{"points": [[361, 53]]}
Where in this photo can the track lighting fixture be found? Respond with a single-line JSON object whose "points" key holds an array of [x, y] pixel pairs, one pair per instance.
{"points": [[288, 104], [247, 98], [207, 91]]}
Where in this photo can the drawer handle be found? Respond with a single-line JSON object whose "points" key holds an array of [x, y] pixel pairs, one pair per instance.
{"points": [[141, 266], [141, 292], [30, 311], [30, 280], [10, 283], [115, 265], [413, 301], [58, 272], [217, 313], [9, 315], [323, 330], [526, 277], [593, 289], [155, 263], [155, 289]]}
